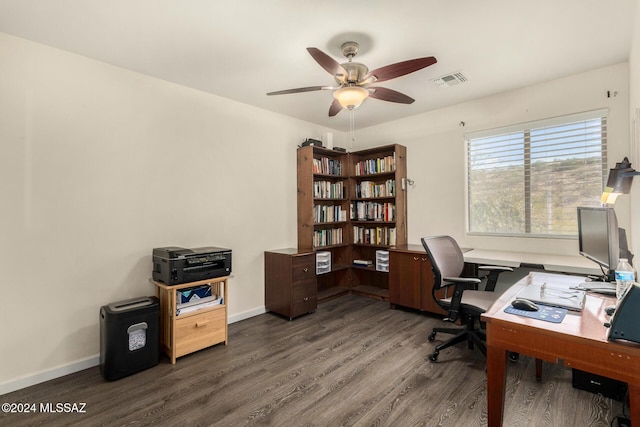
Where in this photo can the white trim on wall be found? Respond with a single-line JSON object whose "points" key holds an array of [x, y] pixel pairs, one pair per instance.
{"points": [[89, 362]]}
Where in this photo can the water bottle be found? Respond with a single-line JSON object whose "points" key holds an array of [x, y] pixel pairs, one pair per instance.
{"points": [[625, 276]]}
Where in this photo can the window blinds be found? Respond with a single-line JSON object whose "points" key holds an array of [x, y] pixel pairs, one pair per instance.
{"points": [[528, 179]]}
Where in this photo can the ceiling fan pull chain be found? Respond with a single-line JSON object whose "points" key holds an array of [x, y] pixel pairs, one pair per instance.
{"points": [[352, 125]]}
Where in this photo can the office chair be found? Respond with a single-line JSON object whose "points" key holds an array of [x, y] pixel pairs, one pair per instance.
{"points": [[467, 303]]}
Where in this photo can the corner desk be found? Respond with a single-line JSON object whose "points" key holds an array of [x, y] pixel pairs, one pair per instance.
{"points": [[574, 264], [580, 341]]}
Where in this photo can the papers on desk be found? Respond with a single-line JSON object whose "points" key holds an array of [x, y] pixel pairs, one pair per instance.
{"points": [[604, 288], [554, 290]]}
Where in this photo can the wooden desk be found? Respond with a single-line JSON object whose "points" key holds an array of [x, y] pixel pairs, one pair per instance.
{"points": [[562, 263], [580, 341]]}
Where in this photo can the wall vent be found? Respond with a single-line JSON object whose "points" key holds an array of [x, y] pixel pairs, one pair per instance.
{"points": [[449, 80]]}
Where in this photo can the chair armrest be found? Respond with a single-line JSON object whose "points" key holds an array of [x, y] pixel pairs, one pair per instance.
{"points": [[465, 280]]}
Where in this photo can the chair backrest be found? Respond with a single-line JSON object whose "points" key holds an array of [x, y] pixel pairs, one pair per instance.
{"points": [[445, 256]]}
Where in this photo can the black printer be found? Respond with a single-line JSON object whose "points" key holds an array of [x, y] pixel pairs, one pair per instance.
{"points": [[174, 265]]}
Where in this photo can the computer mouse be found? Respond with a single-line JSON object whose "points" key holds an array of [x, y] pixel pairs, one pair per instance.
{"points": [[524, 304]]}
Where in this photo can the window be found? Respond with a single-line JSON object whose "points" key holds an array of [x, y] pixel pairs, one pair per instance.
{"points": [[527, 180]]}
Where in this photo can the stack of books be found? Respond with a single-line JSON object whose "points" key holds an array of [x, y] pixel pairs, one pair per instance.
{"points": [[362, 262]]}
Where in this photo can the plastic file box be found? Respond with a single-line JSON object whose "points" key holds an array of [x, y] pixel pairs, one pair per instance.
{"points": [[382, 261], [323, 262]]}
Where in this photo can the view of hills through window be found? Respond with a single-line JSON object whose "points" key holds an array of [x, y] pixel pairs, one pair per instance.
{"points": [[529, 181]]}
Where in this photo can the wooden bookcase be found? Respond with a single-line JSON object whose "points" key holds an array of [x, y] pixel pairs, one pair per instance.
{"points": [[319, 171], [377, 179], [352, 204]]}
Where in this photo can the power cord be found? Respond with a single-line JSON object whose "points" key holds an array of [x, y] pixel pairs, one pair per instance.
{"points": [[623, 420]]}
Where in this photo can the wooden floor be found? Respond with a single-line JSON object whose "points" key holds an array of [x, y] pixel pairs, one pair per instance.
{"points": [[354, 362]]}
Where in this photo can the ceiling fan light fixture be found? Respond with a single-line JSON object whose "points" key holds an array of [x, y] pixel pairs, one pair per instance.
{"points": [[351, 97]]}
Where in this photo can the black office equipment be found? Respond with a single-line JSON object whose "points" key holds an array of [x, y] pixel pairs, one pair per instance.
{"points": [[524, 304], [626, 317], [175, 265], [599, 238], [311, 141], [447, 263], [129, 336], [613, 389]]}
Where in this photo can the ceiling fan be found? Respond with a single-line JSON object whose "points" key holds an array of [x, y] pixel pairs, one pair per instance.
{"points": [[355, 79]]}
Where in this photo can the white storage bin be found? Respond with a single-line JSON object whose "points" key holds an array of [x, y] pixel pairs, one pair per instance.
{"points": [[382, 261], [323, 262]]}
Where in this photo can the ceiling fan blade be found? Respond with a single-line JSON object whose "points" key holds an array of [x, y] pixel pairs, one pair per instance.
{"points": [[328, 63], [390, 95], [398, 69], [335, 108], [301, 89]]}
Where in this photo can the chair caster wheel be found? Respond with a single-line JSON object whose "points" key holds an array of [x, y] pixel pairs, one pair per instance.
{"points": [[434, 356], [432, 336]]}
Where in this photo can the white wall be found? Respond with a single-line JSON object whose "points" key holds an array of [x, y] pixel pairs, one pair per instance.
{"points": [[436, 151], [99, 165]]}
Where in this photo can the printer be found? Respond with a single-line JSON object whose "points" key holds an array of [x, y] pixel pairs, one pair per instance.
{"points": [[175, 265]]}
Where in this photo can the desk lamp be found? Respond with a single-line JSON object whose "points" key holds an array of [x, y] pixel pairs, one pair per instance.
{"points": [[619, 181]]}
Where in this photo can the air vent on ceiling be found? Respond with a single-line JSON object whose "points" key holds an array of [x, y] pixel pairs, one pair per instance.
{"points": [[450, 79]]}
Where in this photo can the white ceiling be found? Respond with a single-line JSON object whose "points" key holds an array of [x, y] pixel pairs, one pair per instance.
{"points": [[243, 49]]}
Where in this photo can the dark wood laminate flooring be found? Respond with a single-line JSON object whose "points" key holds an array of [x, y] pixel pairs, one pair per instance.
{"points": [[354, 362]]}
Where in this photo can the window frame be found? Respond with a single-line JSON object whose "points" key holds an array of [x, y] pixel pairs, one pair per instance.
{"points": [[526, 128]]}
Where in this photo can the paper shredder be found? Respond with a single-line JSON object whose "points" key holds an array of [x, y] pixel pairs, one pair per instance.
{"points": [[129, 336]]}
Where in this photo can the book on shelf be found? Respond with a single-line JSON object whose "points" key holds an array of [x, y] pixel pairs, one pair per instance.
{"points": [[385, 236], [373, 211], [363, 262], [369, 189], [328, 190], [327, 237], [379, 165], [328, 213], [327, 166]]}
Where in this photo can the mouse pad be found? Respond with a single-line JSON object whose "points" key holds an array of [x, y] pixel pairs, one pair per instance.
{"points": [[546, 313]]}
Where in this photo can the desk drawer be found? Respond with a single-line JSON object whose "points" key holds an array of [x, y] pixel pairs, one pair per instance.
{"points": [[304, 298], [303, 268], [199, 331]]}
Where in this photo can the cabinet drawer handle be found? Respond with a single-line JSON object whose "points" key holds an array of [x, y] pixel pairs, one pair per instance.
{"points": [[424, 259], [201, 324], [415, 258], [305, 299], [305, 270]]}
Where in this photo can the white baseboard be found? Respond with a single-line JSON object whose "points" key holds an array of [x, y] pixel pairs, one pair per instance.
{"points": [[40, 377], [89, 362], [247, 314]]}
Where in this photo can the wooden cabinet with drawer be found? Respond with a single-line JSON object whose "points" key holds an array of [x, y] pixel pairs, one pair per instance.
{"points": [[411, 279], [290, 282], [189, 331], [199, 331]]}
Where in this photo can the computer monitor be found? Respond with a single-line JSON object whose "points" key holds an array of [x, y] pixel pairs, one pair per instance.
{"points": [[598, 238]]}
